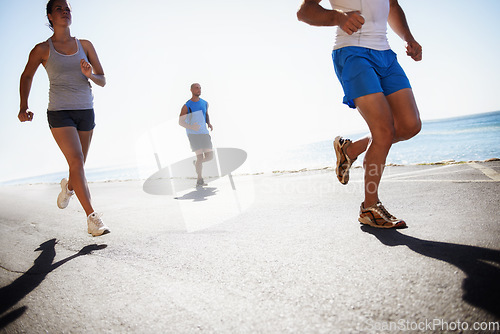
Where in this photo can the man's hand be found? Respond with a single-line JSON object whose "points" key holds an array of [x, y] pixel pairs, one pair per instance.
{"points": [[351, 22], [414, 50]]}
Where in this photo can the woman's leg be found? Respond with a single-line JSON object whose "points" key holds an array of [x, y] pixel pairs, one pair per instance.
{"points": [[85, 139], [74, 145]]}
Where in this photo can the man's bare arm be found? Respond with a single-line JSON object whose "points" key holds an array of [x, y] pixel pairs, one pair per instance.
{"points": [[312, 13], [398, 23]]}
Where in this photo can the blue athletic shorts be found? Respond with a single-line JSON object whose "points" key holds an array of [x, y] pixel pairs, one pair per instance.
{"points": [[363, 71], [82, 120]]}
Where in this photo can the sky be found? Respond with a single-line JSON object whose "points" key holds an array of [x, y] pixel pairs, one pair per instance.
{"points": [[268, 78]]}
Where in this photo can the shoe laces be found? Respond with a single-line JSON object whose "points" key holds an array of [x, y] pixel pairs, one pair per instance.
{"points": [[96, 219], [384, 211], [345, 143]]}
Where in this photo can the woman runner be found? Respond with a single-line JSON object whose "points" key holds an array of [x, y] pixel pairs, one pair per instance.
{"points": [[69, 63]]}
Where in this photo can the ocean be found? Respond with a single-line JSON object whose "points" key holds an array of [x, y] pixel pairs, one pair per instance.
{"points": [[473, 137]]}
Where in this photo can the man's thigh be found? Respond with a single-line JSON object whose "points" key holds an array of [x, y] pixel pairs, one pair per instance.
{"points": [[405, 113], [376, 111]]}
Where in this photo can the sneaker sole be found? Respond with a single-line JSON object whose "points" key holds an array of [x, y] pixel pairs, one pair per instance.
{"points": [[338, 151], [60, 204], [367, 221], [106, 231]]}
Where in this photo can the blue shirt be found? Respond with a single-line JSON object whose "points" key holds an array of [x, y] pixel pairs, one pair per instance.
{"points": [[197, 113]]}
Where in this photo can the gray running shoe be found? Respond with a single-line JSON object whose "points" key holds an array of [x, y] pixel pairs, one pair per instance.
{"points": [[201, 183]]}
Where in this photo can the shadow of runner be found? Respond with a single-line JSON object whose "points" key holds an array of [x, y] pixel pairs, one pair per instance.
{"points": [[481, 265], [200, 194], [13, 293]]}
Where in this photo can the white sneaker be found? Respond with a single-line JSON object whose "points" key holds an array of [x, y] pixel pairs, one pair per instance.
{"points": [[64, 195], [95, 225]]}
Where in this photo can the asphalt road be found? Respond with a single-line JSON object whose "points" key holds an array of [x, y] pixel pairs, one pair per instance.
{"points": [[293, 259]]}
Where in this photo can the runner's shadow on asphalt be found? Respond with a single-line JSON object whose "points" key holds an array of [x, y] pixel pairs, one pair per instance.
{"points": [[481, 265], [13, 293], [199, 195]]}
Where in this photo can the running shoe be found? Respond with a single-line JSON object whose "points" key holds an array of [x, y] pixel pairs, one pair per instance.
{"points": [[64, 195], [378, 216], [344, 163], [95, 225], [201, 183]]}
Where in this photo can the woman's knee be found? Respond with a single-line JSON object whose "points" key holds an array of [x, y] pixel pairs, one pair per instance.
{"points": [[76, 162]]}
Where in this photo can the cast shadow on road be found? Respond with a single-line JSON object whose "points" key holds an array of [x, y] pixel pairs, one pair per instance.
{"points": [[481, 265], [200, 194], [13, 293]]}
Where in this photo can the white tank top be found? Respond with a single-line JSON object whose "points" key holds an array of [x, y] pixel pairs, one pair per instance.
{"points": [[373, 34]]}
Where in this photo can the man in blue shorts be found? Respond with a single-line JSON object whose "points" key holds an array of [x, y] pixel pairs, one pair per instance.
{"points": [[375, 84], [194, 117]]}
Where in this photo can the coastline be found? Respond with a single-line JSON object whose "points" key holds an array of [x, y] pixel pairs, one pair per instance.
{"points": [[237, 173], [465, 138]]}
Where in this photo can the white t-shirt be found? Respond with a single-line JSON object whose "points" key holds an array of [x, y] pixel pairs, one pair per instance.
{"points": [[373, 33]]}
